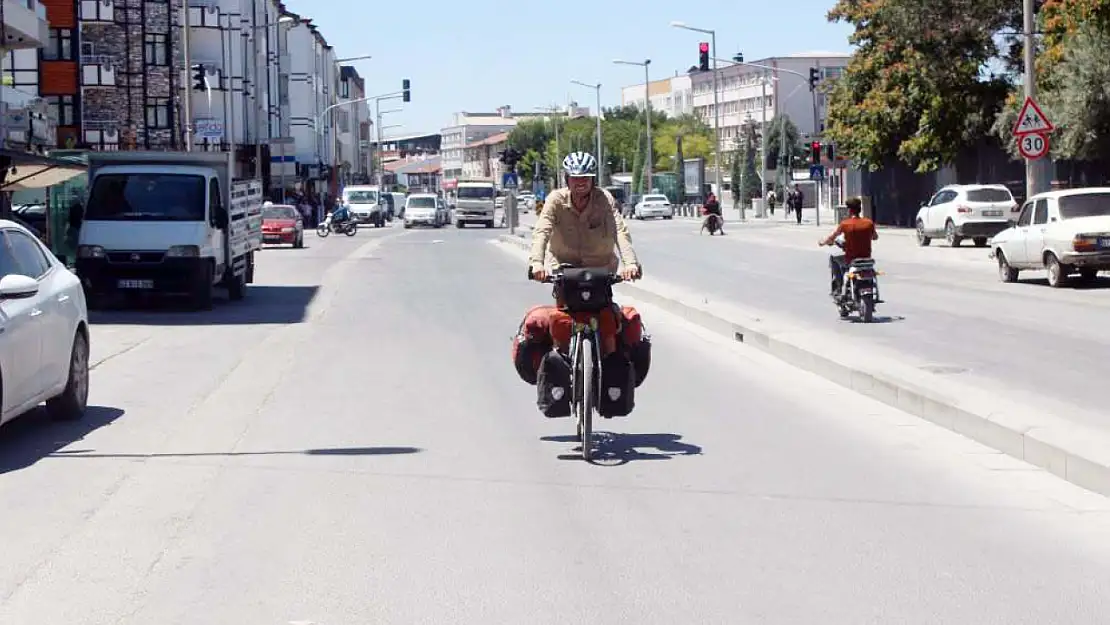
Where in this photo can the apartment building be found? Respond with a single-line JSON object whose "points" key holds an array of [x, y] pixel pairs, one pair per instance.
{"points": [[481, 159], [470, 128], [672, 96], [25, 123], [313, 89], [762, 89], [352, 123]]}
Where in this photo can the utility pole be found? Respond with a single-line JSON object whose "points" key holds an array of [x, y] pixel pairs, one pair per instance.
{"points": [[1037, 179], [187, 100]]}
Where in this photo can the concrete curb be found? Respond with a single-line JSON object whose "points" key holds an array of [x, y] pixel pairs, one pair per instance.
{"points": [[1021, 429]]}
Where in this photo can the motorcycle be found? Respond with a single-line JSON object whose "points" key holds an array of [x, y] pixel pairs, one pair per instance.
{"points": [[858, 288], [348, 227], [712, 223]]}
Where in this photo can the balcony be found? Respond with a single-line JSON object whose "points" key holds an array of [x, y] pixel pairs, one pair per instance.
{"points": [[25, 120], [25, 23], [97, 71]]}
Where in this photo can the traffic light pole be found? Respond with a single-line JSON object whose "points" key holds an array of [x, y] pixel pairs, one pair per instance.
{"points": [[187, 100], [817, 132]]}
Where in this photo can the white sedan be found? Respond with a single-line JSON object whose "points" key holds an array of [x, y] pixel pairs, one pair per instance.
{"points": [[1064, 232], [44, 330], [653, 205]]}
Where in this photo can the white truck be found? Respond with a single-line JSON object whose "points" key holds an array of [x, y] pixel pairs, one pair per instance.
{"points": [[168, 223], [475, 202]]}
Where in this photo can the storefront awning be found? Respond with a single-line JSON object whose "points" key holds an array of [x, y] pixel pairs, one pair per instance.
{"points": [[30, 171]]}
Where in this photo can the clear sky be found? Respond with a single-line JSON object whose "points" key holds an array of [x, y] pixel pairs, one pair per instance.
{"points": [[481, 55]]}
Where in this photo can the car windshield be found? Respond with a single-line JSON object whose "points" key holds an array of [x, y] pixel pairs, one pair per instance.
{"points": [[475, 193], [422, 202], [655, 198], [362, 197], [149, 197], [1084, 205], [279, 212], [989, 195]]}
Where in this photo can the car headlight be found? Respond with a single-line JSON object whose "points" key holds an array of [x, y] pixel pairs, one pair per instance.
{"points": [[90, 251], [183, 251]]}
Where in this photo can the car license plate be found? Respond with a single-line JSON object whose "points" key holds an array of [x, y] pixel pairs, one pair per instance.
{"points": [[272, 238], [992, 213], [136, 284], [1105, 243]]}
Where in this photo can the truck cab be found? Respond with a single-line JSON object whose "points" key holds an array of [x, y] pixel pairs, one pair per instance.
{"points": [[475, 203], [168, 223]]}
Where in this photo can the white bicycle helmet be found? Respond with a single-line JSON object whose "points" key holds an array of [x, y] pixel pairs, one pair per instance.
{"points": [[580, 165]]}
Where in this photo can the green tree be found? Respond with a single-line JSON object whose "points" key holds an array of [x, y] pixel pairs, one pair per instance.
{"points": [[620, 138], [531, 134], [750, 184], [795, 149], [680, 171], [914, 89], [735, 175]]}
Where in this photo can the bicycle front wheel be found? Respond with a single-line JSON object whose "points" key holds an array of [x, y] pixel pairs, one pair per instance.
{"points": [[589, 395]]}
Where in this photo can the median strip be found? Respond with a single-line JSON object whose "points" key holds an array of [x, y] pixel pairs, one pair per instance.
{"points": [[1028, 428]]}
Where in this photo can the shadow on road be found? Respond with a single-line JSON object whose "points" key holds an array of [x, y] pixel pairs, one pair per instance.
{"points": [[264, 304], [1074, 283], [329, 451], [619, 449], [35, 436]]}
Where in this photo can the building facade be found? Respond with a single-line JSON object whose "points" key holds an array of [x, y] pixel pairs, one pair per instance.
{"points": [[353, 127], [481, 159], [749, 92], [672, 96], [470, 128], [313, 89], [25, 122]]}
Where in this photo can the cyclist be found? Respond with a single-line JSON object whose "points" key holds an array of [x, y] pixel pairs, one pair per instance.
{"points": [[581, 225]]}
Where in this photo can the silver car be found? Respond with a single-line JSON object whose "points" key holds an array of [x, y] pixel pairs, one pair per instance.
{"points": [[422, 209]]}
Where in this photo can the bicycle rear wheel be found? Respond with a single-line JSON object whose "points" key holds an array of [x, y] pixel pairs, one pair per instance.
{"points": [[589, 395]]}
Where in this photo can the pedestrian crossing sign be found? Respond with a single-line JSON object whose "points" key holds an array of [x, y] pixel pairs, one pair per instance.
{"points": [[1032, 120]]}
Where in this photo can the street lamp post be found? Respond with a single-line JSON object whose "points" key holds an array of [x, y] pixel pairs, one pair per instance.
{"points": [[716, 108], [596, 88], [647, 115]]}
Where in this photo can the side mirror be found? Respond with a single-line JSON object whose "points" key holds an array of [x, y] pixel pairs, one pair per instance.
{"points": [[18, 287], [221, 219]]}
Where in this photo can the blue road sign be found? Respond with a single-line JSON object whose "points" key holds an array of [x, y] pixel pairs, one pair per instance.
{"points": [[816, 172], [509, 179]]}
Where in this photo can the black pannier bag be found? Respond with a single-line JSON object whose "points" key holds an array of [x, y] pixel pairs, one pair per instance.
{"points": [[553, 391], [617, 394], [585, 289]]}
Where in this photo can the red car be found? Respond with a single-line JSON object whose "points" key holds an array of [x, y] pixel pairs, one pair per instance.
{"points": [[282, 225]]}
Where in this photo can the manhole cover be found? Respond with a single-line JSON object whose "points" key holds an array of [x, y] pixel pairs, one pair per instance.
{"points": [[944, 369]]}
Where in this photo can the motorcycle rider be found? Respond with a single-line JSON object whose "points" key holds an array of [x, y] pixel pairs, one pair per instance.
{"points": [[713, 207], [580, 225], [858, 232]]}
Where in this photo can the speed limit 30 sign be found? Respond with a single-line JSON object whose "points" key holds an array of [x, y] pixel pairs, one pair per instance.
{"points": [[1033, 146]]}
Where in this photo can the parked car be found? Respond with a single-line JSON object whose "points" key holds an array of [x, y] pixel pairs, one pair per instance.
{"points": [[958, 212], [282, 225], [652, 206], [44, 330], [1063, 232]]}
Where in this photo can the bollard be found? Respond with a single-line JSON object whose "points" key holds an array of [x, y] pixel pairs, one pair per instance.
{"points": [[511, 216]]}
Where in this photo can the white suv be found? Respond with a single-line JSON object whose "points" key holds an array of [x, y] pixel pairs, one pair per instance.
{"points": [[966, 211]]}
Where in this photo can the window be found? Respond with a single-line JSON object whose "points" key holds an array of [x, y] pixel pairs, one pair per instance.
{"points": [[60, 45], [1026, 214], [215, 204], [1040, 212], [1084, 205], [158, 113], [28, 255], [146, 197], [989, 195], [156, 49], [63, 108]]}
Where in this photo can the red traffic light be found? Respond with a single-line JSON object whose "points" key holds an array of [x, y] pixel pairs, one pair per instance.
{"points": [[703, 47], [816, 145]]}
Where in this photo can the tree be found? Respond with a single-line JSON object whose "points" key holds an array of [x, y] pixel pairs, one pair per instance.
{"points": [[697, 142], [780, 125], [531, 134], [736, 176], [750, 184], [913, 89], [679, 171], [1078, 101]]}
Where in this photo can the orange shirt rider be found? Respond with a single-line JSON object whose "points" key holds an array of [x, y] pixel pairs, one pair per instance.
{"points": [[858, 233]]}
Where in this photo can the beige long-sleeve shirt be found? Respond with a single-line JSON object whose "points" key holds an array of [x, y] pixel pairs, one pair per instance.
{"points": [[591, 238]]}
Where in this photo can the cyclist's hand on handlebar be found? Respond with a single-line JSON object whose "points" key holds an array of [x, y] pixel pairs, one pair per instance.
{"points": [[539, 275], [630, 273]]}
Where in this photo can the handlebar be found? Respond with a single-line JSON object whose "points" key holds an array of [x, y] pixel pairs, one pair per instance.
{"points": [[554, 278]]}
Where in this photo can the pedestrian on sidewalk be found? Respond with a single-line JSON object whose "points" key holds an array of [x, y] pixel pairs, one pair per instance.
{"points": [[771, 199], [799, 198]]}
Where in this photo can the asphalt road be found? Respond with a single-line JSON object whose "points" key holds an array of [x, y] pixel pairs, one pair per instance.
{"points": [[351, 445], [946, 311]]}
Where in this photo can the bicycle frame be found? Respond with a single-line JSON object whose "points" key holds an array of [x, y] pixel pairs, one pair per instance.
{"points": [[581, 383]]}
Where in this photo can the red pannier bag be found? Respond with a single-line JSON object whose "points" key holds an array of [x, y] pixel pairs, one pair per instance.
{"points": [[532, 341]]}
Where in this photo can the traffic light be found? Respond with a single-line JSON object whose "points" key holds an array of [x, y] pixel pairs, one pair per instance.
{"points": [[814, 78], [830, 152], [703, 56], [815, 153], [405, 93], [738, 57], [200, 78]]}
